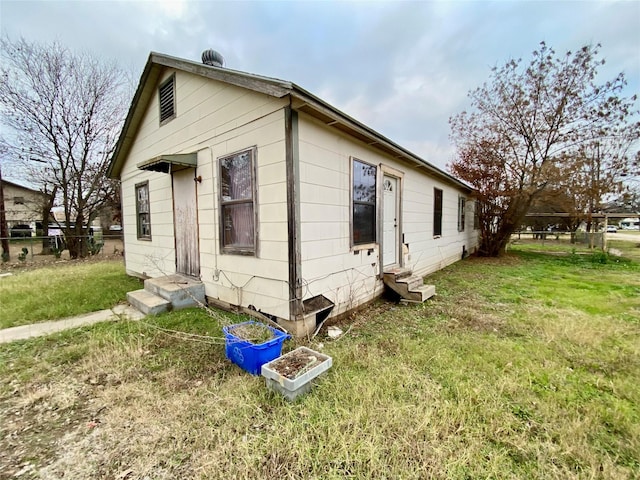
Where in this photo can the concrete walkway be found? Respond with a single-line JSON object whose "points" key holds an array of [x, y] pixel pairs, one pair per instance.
{"points": [[46, 328]]}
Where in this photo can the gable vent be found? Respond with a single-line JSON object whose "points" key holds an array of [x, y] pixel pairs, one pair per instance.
{"points": [[167, 100]]}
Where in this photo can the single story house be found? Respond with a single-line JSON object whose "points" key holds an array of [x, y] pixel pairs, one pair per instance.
{"points": [[276, 201]]}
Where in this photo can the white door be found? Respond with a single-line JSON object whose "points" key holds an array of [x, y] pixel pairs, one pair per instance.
{"points": [[390, 221], [185, 216]]}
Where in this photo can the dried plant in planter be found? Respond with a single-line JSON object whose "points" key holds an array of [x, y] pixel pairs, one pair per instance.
{"points": [[255, 333], [295, 364]]}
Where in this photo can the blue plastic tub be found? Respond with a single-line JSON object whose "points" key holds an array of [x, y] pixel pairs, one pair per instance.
{"points": [[250, 356]]}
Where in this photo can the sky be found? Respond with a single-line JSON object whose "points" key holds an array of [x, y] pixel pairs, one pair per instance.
{"points": [[402, 68]]}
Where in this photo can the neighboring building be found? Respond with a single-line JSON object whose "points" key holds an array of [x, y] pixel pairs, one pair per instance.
{"points": [[277, 201], [23, 206], [630, 223]]}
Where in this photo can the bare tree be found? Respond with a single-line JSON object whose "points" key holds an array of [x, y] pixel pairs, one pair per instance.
{"points": [[528, 129], [64, 109]]}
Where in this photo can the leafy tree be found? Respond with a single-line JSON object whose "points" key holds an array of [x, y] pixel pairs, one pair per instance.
{"points": [[530, 127], [65, 110]]}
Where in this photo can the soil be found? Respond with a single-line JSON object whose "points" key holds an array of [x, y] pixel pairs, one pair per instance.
{"points": [[295, 363], [112, 250], [255, 333]]}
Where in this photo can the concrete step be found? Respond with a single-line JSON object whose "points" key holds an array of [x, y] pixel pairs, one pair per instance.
{"points": [[147, 302], [178, 290]]}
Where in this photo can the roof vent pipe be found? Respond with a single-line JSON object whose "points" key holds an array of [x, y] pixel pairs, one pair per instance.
{"points": [[212, 58]]}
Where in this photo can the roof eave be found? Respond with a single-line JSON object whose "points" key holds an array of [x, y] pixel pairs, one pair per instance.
{"points": [[370, 136]]}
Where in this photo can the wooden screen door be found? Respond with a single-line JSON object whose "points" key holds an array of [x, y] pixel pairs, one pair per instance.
{"points": [[185, 215], [390, 241]]}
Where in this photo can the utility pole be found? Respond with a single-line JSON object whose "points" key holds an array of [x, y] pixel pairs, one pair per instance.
{"points": [[4, 231]]}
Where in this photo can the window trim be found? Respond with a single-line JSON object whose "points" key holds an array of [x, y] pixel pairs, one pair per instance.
{"points": [[437, 212], [363, 246], [171, 79], [476, 215], [462, 205], [249, 251], [139, 235]]}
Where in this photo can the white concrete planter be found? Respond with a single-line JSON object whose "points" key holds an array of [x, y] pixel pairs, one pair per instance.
{"points": [[297, 381]]}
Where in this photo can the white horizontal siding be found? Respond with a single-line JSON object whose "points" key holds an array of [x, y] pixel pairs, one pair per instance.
{"points": [[214, 119], [329, 265]]}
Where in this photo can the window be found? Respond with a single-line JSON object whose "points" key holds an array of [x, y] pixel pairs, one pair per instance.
{"points": [[476, 215], [237, 203], [364, 203], [437, 212], [166, 94], [462, 205], [18, 200], [143, 214]]}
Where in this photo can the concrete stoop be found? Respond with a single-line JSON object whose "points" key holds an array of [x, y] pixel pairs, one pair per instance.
{"points": [[410, 287], [171, 292]]}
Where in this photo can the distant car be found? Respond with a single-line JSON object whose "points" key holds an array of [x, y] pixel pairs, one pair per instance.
{"points": [[612, 229], [115, 228], [21, 230]]}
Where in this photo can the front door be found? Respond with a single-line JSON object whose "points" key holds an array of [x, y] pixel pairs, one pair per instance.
{"points": [[185, 215], [390, 241]]}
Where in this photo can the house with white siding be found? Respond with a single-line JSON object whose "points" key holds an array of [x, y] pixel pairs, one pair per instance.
{"points": [[22, 205], [275, 201]]}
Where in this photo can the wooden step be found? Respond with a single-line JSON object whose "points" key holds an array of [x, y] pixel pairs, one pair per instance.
{"points": [[413, 282], [410, 287]]}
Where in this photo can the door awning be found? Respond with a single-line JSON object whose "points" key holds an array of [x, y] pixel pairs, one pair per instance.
{"points": [[170, 163]]}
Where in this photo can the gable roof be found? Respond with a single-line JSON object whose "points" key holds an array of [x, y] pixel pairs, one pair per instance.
{"points": [[302, 101]]}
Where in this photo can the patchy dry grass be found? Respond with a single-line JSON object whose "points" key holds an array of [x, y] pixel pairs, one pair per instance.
{"points": [[513, 371]]}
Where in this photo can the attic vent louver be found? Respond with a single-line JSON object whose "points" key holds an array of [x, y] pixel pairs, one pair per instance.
{"points": [[212, 58], [167, 100]]}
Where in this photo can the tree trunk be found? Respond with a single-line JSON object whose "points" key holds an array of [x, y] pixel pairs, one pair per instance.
{"points": [[46, 213]]}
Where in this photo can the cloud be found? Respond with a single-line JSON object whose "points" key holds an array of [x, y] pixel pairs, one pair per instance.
{"points": [[403, 68]]}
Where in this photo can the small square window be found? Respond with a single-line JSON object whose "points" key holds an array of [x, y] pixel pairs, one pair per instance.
{"points": [[18, 200]]}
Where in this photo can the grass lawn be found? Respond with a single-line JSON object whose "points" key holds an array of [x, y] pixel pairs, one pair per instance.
{"points": [[54, 292], [522, 367]]}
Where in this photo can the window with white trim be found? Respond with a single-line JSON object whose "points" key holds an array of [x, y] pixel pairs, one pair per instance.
{"points": [[363, 203], [437, 212]]}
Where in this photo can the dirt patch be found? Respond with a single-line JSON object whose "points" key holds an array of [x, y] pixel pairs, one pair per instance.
{"points": [[296, 363], [113, 249]]}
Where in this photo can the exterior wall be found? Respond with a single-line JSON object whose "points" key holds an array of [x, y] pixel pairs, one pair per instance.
{"points": [[213, 119], [349, 276], [22, 205]]}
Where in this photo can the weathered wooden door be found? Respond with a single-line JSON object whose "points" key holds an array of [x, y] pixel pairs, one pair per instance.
{"points": [[185, 215], [390, 241]]}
